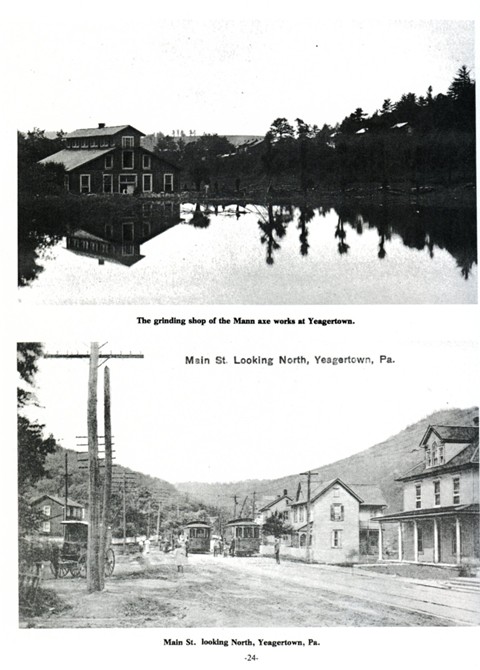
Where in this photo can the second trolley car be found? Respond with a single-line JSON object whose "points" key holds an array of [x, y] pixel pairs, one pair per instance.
{"points": [[198, 534], [242, 537]]}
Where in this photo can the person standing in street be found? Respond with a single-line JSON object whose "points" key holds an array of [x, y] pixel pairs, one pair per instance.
{"points": [[276, 549]]}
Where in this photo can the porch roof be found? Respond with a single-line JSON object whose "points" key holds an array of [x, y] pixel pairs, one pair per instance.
{"points": [[453, 510]]}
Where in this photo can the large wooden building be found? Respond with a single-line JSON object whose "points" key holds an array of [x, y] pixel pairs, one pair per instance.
{"points": [[439, 521], [53, 513], [111, 159]]}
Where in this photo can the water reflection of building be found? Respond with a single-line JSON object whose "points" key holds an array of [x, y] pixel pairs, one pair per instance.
{"points": [[118, 238], [112, 159]]}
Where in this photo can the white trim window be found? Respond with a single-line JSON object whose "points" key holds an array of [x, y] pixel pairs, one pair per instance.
{"points": [[418, 496], [128, 141], [109, 162], [108, 183], [128, 160], [47, 510], [84, 143], [46, 527], [75, 144], [456, 490], [168, 182], [84, 183], [94, 143], [146, 162], [436, 493], [127, 183], [336, 539], [147, 183]]}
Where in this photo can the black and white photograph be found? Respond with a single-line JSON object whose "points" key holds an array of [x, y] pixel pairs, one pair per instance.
{"points": [[337, 509], [286, 162]]}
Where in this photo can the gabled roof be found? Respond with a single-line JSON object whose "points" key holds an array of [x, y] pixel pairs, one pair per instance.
{"points": [[451, 433], [468, 456], [99, 132], [272, 502], [59, 501], [365, 494], [73, 158]]}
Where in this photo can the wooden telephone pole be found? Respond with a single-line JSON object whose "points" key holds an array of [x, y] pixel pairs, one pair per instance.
{"points": [[308, 554], [97, 521]]}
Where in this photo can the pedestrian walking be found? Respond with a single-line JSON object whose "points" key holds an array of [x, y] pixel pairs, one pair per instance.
{"points": [[276, 549]]}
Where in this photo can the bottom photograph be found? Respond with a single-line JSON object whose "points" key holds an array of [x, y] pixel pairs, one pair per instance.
{"points": [[158, 491]]}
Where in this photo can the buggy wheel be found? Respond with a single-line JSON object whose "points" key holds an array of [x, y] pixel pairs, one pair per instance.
{"points": [[62, 570], [109, 562], [75, 569]]}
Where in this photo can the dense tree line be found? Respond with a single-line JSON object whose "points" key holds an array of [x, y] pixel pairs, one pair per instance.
{"points": [[414, 142]]}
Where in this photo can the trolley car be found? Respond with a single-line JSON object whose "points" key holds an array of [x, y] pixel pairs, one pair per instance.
{"points": [[71, 557], [198, 534], [242, 536]]}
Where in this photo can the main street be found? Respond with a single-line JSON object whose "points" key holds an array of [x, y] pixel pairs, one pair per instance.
{"points": [[148, 591]]}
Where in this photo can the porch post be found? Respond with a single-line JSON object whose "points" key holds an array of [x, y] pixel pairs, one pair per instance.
{"points": [[380, 542], [457, 538], [400, 539], [415, 541], [435, 541]]}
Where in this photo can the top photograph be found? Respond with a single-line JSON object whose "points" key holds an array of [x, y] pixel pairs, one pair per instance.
{"points": [[248, 162]]}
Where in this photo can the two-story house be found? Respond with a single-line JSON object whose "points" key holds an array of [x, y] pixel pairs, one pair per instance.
{"points": [[279, 506], [53, 513], [111, 159], [440, 518], [342, 523]]}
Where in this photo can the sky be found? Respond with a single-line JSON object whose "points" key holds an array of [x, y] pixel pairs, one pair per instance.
{"points": [[232, 422], [212, 74]]}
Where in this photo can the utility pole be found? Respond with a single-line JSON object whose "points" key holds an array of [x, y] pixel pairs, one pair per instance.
{"points": [[65, 512], [94, 582], [93, 573], [107, 483], [308, 548]]}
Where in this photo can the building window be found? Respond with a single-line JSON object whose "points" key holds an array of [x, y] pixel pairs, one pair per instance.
{"points": [[84, 183], [456, 490], [336, 512], [285, 515], [168, 183], [47, 510], [436, 492], [127, 232], [441, 454], [127, 160], [93, 143], [147, 183], [84, 144], [127, 183], [418, 496], [336, 491], [301, 514], [419, 540], [336, 539], [108, 231], [75, 144], [104, 142], [108, 183], [146, 162], [428, 457], [108, 162], [46, 527], [295, 515], [434, 454], [127, 142]]}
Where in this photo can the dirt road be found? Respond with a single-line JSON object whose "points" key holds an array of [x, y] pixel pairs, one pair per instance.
{"points": [[254, 592]]}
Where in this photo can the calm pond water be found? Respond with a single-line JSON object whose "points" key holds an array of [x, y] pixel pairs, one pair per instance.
{"points": [[254, 254]]}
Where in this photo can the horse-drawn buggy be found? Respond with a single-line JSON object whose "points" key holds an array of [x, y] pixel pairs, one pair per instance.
{"points": [[71, 556]]}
